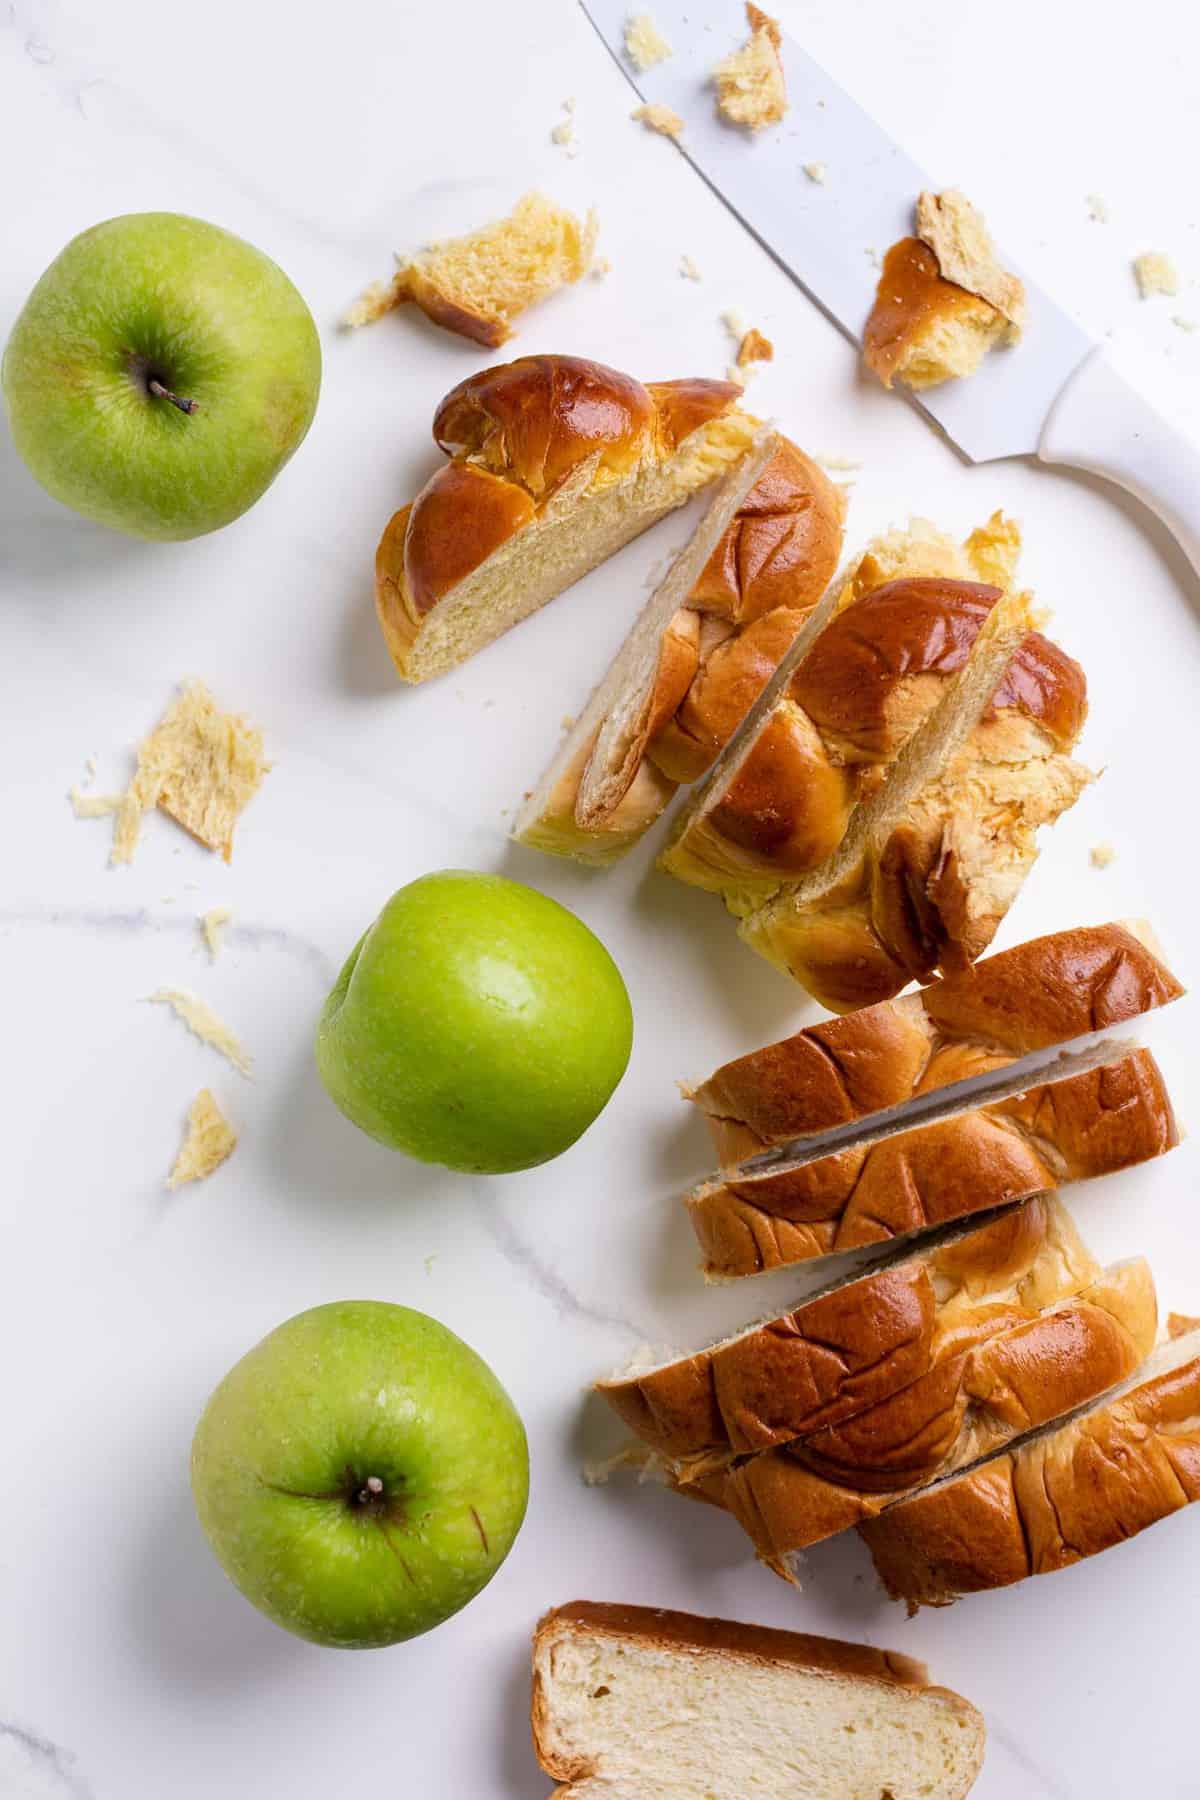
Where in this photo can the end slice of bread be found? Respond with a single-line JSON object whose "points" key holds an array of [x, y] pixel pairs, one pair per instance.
{"points": [[630, 1701]]}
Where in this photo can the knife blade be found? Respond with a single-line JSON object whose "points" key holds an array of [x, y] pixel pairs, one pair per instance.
{"points": [[825, 235]]}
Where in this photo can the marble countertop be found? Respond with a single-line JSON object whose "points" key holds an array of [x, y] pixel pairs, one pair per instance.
{"points": [[129, 1668]]}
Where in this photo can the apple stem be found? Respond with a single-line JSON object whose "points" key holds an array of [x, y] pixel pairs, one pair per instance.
{"points": [[164, 393]]}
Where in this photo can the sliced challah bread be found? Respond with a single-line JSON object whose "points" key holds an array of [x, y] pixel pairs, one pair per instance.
{"points": [[851, 1345], [878, 819], [1038, 995], [630, 1701], [555, 463], [1052, 1499], [729, 609], [1004, 1373], [1112, 1114]]}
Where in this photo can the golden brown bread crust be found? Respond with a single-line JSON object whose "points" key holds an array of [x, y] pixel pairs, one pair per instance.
{"points": [[783, 547], [460, 516], [1065, 1495], [682, 407], [412, 284], [1091, 1124], [911, 295], [1014, 1372], [833, 1355], [1035, 996]]}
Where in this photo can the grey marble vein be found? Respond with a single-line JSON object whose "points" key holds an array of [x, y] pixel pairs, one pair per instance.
{"points": [[24, 1754], [520, 1254], [130, 921]]}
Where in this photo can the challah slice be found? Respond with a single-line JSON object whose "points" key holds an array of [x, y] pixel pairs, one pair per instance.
{"points": [[1011, 1370], [630, 1701], [556, 462], [1064, 1493], [852, 1343], [478, 284], [735, 600], [1096, 1113]]}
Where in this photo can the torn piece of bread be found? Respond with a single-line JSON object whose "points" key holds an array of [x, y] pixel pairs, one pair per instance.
{"points": [[645, 44], [1155, 273], [874, 819], [200, 766], [750, 85], [1012, 1371], [657, 117], [754, 348], [630, 1701], [923, 329], [734, 601], [555, 463], [204, 1023], [958, 237], [477, 285], [1094, 1114], [209, 1141], [1052, 1499], [212, 928]]}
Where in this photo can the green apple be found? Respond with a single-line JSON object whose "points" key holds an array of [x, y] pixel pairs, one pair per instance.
{"points": [[361, 1474], [160, 375], [477, 1024]]}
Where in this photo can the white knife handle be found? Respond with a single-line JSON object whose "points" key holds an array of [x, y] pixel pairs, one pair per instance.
{"points": [[1101, 424]]}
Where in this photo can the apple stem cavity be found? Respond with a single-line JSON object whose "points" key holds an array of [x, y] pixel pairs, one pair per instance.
{"points": [[156, 387], [370, 1490]]}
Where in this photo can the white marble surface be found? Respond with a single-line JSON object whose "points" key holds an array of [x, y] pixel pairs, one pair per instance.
{"points": [[129, 1669]]}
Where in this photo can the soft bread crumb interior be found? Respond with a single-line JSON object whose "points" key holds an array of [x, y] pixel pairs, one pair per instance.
{"points": [[681, 1725]]}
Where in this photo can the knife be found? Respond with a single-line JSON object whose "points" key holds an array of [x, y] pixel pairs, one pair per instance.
{"points": [[1054, 395]]}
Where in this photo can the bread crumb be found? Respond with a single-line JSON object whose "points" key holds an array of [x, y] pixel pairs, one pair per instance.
{"points": [[568, 104], [828, 461], [688, 269], [375, 300], [567, 721], [1155, 273], [817, 171], [645, 44], [873, 257], [1101, 855], [734, 374], [734, 324], [1097, 208], [212, 926], [754, 348], [200, 766], [1179, 1324], [600, 268], [563, 132], [1185, 324], [93, 806], [209, 1141], [204, 1023], [954, 230], [662, 119], [749, 83]]}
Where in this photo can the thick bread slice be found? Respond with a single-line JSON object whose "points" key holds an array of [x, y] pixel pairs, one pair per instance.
{"points": [[630, 1702], [852, 1344], [1098, 1112], [1056, 1497], [587, 783], [1008, 1374], [1037, 996]]}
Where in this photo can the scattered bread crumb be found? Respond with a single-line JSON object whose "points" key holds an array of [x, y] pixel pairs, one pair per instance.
{"points": [[688, 268], [600, 268], [209, 1141], [212, 927], [817, 171], [828, 461], [1155, 273], [1185, 324], [954, 230], [1097, 208], [200, 766], [93, 806], [564, 135], [1101, 855], [476, 285], [645, 44], [204, 1023], [568, 104], [662, 119], [749, 83], [873, 257], [734, 324], [754, 348], [733, 373], [567, 721], [1179, 1324]]}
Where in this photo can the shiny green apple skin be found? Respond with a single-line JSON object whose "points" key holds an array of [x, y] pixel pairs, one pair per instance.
{"points": [[211, 319], [361, 1474], [478, 1024]]}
